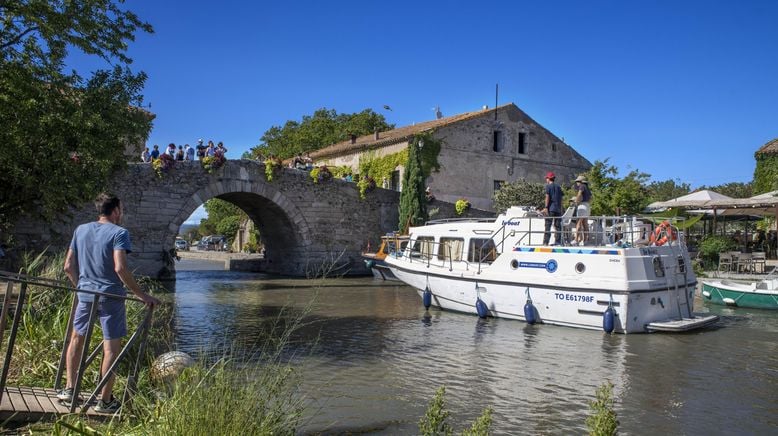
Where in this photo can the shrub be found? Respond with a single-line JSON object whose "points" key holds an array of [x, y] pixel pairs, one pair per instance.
{"points": [[163, 164], [320, 174], [461, 206], [602, 421], [712, 245], [365, 185], [434, 423], [272, 166]]}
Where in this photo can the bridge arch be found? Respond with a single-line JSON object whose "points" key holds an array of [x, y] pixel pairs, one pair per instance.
{"points": [[280, 221]]}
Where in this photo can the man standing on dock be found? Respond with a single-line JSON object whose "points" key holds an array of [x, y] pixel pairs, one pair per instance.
{"points": [[97, 261]]}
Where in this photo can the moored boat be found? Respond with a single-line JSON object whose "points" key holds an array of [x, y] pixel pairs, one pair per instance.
{"points": [[375, 261], [618, 281], [756, 295]]}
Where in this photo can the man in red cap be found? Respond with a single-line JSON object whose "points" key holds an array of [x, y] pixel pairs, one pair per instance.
{"points": [[553, 209]]}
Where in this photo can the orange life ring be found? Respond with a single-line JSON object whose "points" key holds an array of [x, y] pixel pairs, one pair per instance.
{"points": [[664, 232]]}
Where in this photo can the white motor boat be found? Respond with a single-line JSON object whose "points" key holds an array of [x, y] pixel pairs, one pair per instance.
{"points": [[628, 276]]}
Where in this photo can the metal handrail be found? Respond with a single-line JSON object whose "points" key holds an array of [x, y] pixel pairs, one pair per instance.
{"points": [[138, 337]]}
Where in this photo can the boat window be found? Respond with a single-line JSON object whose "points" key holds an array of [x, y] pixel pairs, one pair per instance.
{"points": [[392, 245], [481, 250], [422, 247], [451, 248]]}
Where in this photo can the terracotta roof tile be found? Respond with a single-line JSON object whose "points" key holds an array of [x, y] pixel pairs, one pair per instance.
{"points": [[394, 136]]}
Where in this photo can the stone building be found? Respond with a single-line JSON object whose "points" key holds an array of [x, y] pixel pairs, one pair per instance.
{"points": [[479, 151]]}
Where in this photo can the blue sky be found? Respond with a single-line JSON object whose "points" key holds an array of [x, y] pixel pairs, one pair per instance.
{"points": [[681, 90]]}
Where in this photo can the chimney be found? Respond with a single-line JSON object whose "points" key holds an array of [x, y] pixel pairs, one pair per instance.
{"points": [[375, 135], [353, 138]]}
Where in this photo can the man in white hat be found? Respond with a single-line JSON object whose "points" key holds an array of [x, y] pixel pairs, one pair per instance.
{"points": [[583, 198]]}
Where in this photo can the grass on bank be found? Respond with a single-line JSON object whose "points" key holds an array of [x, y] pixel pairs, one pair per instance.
{"points": [[232, 393]]}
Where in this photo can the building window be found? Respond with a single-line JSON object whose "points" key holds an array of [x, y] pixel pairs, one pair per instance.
{"points": [[522, 143], [498, 184], [553, 146], [497, 143]]}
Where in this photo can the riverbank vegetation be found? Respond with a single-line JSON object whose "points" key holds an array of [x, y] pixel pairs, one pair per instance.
{"points": [[603, 420], [434, 422], [225, 392]]}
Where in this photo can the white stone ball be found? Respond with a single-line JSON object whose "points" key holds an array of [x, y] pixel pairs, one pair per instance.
{"points": [[167, 367]]}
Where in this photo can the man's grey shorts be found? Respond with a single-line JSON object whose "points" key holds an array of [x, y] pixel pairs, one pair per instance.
{"points": [[112, 314]]}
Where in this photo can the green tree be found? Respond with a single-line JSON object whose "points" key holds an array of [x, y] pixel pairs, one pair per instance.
{"points": [[612, 195], [64, 135], [229, 227], [667, 189], [219, 209], [325, 127], [224, 218], [732, 189], [413, 202], [519, 193]]}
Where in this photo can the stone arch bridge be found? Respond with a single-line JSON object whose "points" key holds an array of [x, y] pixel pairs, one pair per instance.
{"points": [[306, 227]]}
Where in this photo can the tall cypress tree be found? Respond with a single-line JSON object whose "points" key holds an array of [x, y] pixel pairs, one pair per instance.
{"points": [[413, 202]]}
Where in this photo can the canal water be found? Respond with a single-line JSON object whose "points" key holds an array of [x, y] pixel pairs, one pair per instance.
{"points": [[372, 358]]}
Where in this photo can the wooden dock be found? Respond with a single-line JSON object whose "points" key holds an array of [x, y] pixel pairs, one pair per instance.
{"points": [[25, 404]]}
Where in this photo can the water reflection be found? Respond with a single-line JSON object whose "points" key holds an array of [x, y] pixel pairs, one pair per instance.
{"points": [[371, 365]]}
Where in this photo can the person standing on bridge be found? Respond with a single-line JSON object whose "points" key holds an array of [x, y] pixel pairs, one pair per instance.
{"points": [[97, 261], [200, 149], [189, 152]]}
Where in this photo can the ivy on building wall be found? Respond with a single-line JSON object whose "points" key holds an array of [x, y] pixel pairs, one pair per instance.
{"points": [[380, 168], [429, 152], [766, 173]]}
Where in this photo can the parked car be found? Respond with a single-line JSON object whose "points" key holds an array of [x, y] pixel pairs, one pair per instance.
{"points": [[182, 245], [214, 243]]}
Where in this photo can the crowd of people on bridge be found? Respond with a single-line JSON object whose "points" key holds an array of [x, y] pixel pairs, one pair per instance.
{"points": [[184, 152]]}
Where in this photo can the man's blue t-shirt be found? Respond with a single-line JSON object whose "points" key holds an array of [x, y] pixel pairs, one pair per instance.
{"points": [[554, 197], [93, 245]]}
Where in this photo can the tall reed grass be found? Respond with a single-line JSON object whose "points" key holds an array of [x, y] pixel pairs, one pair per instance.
{"points": [[228, 391]]}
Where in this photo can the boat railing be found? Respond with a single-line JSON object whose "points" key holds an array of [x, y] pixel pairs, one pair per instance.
{"points": [[611, 231], [23, 285], [432, 253], [459, 220]]}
